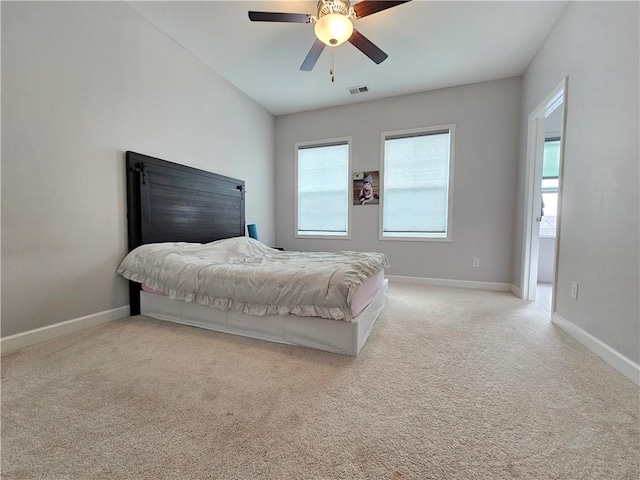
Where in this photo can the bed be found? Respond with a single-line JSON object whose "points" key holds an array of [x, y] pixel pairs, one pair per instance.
{"points": [[199, 215]]}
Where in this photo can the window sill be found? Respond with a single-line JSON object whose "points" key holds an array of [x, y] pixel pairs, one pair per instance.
{"points": [[324, 236], [414, 239]]}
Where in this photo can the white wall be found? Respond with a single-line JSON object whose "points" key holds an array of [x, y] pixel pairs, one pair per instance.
{"points": [[82, 83], [546, 259], [486, 117], [595, 44]]}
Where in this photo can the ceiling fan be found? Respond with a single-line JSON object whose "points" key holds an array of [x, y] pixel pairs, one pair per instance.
{"points": [[333, 26]]}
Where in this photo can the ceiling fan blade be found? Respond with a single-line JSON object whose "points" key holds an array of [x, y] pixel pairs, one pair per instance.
{"points": [[279, 17], [363, 44], [368, 7], [312, 56]]}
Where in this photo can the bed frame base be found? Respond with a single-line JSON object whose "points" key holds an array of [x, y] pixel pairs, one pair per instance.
{"points": [[346, 338]]}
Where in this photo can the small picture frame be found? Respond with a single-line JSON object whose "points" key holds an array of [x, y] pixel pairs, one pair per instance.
{"points": [[366, 188]]}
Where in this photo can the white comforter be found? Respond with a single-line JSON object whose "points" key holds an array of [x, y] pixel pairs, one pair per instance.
{"points": [[245, 275]]}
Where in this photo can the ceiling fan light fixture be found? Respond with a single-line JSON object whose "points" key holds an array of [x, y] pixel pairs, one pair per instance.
{"points": [[333, 29]]}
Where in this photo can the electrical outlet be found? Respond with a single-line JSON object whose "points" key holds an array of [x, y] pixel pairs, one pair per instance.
{"points": [[476, 262], [574, 290]]}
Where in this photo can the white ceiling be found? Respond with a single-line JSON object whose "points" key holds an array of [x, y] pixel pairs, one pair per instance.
{"points": [[430, 45]]}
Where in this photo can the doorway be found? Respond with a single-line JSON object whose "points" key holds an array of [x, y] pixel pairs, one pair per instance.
{"points": [[545, 151]]}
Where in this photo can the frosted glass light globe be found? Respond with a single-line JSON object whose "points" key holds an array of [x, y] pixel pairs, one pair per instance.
{"points": [[333, 29]]}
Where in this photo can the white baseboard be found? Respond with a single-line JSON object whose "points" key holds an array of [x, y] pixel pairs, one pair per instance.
{"points": [[443, 282], [624, 365], [516, 291], [25, 339]]}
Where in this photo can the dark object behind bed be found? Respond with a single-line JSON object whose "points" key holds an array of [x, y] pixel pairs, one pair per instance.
{"points": [[168, 202]]}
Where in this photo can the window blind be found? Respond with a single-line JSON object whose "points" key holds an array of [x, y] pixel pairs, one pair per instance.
{"points": [[551, 162], [323, 190], [416, 185]]}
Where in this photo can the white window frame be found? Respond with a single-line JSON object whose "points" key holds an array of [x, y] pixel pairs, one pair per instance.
{"points": [[323, 143], [419, 237]]}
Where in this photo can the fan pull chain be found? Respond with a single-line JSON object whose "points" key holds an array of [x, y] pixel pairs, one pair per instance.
{"points": [[333, 79]]}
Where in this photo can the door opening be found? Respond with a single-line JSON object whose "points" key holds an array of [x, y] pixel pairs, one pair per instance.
{"points": [[545, 150]]}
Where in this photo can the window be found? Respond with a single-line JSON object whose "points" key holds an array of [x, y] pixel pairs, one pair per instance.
{"points": [[550, 181], [417, 168], [322, 188]]}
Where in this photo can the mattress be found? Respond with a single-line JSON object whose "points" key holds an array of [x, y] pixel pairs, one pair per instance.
{"points": [[363, 296], [244, 275]]}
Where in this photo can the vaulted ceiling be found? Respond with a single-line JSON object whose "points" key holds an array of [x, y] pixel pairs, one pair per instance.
{"points": [[430, 45]]}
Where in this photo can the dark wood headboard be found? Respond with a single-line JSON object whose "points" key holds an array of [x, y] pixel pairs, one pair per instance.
{"points": [[168, 202]]}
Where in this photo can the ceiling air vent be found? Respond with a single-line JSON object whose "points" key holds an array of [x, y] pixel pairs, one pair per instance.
{"points": [[361, 89]]}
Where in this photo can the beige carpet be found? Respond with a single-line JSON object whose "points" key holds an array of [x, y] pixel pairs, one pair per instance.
{"points": [[452, 384]]}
